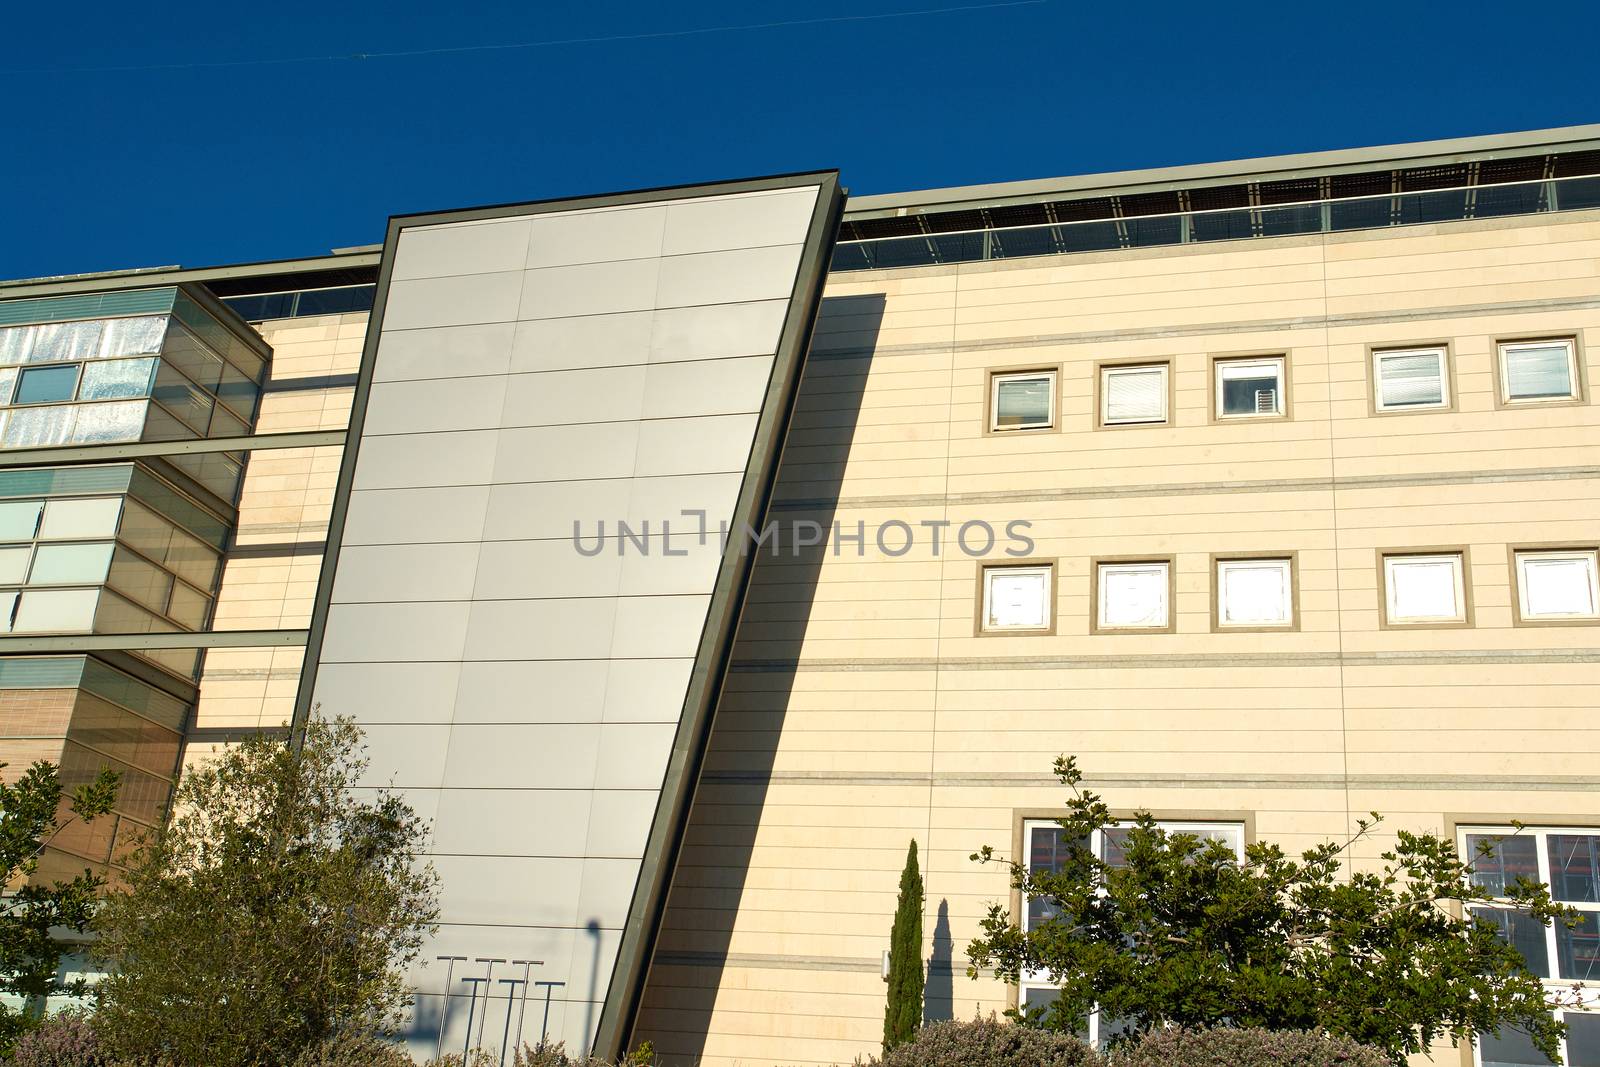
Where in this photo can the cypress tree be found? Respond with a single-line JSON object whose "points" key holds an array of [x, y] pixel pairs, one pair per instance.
{"points": [[903, 1015]]}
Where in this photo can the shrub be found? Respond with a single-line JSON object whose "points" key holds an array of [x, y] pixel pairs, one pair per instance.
{"points": [[1246, 1048], [354, 1048], [989, 1043], [66, 1040]]}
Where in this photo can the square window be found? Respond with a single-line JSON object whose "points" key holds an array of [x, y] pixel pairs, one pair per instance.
{"points": [[1254, 592], [1413, 378], [1022, 401], [1425, 588], [1016, 598], [1133, 595], [1247, 388], [1558, 584], [47, 385], [1531, 371], [1133, 395]]}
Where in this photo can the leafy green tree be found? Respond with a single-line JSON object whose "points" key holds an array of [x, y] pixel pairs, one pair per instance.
{"points": [[33, 911], [1182, 933], [903, 1015], [277, 907]]}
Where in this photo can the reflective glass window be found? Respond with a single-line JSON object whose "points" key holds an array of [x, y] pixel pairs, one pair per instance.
{"points": [[120, 420], [57, 341], [38, 427], [19, 519], [133, 337], [76, 518], [113, 379], [46, 385], [74, 564], [56, 610]]}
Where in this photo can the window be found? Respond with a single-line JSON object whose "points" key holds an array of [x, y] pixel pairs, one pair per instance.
{"points": [[1568, 861], [116, 378], [47, 385], [1532, 371], [1555, 585], [1247, 388], [1412, 378], [1425, 588], [1016, 598], [1133, 596], [1025, 401], [1046, 847], [1254, 593], [71, 564], [1130, 395]]}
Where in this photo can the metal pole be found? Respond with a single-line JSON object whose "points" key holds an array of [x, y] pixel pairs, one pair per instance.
{"points": [[544, 1031], [488, 977], [505, 1037], [444, 1010], [522, 1007], [472, 1007]]}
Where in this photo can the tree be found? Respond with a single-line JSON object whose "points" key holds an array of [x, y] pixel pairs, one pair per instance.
{"points": [[277, 907], [1182, 933], [903, 1015], [34, 911]]}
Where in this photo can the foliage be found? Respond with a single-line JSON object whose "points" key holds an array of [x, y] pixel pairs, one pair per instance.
{"points": [[67, 1039], [1183, 934], [903, 1014], [1246, 1048], [276, 908], [32, 916], [988, 1043], [354, 1048]]}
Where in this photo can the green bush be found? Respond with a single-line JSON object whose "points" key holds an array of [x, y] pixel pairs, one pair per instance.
{"points": [[65, 1040], [354, 1048], [1246, 1048], [989, 1043]]}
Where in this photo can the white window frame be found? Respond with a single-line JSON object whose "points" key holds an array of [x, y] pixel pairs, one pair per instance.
{"points": [[1590, 556], [1277, 363], [1381, 354], [990, 572], [1232, 831], [1391, 615], [1590, 996], [1573, 392], [1102, 588], [1107, 373], [996, 380], [1285, 563]]}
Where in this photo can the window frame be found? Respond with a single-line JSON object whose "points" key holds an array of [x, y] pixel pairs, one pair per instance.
{"points": [[1447, 379], [980, 620], [1290, 559], [1235, 359], [1103, 369], [1575, 371], [1386, 619], [1095, 614], [1514, 554], [991, 400], [22, 373]]}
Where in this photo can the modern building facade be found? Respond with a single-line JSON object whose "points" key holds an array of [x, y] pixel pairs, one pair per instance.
{"points": [[1267, 489]]}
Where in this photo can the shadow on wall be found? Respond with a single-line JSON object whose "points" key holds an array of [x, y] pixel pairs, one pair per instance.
{"points": [[939, 995], [709, 884]]}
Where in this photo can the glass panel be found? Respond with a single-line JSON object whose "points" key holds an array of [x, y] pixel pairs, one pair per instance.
{"points": [[79, 564], [183, 398], [192, 561], [1047, 851], [37, 427], [1136, 395], [1018, 598], [1254, 591], [161, 425], [14, 564], [1578, 948], [184, 662], [238, 391], [1574, 867], [1522, 932], [1538, 372], [146, 531], [1250, 388], [65, 340], [140, 579], [46, 385], [1558, 585], [1508, 859], [52, 610], [116, 378], [117, 421], [15, 344], [226, 424], [93, 517], [1583, 1039], [1511, 1049], [1411, 379], [19, 519], [133, 337], [119, 616], [1133, 594], [8, 607], [8, 382], [1424, 587], [188, 607], [199, 364], [1020, 403]]}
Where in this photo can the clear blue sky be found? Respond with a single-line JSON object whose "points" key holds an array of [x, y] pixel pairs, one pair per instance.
{"points": [[200, 165]]}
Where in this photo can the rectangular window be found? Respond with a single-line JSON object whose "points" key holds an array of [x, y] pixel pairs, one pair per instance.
{"points": [[1425, 588], [1558, 584], [1254, 592], [19, 519], [1568, 861], [1025, 401], [1133, 596], [77, 518], [57, 341], [1408, 379], [1532, 371], [1247, 388], [114, 379], [56, 610], [1133, 394], [71, 564], [47, 385], [1016, 598]]}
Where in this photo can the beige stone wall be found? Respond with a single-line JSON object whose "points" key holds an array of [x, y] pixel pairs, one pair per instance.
{"points": [[862, 711], [270, 576]]}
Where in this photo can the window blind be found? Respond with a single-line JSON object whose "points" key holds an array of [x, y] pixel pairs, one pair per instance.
{"points": [[1022, 402], [1558, 585], [1133, 594], [1136, 394], [1537, 372], [1411, 379]]}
